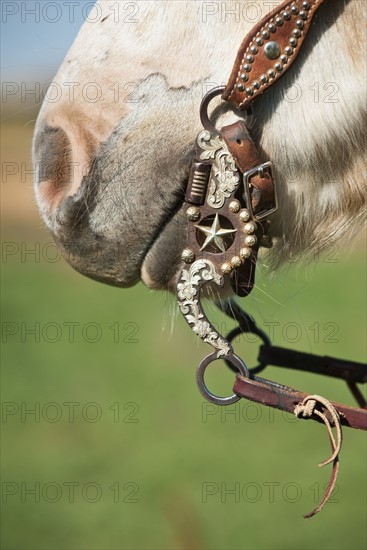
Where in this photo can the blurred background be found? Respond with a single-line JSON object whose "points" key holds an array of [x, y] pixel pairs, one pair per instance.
{"points": [[106, 442]]}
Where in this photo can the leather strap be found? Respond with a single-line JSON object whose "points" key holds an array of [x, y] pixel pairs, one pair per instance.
{"points": [[260, 193], [287, 399], [246, 155], [269, 50]]}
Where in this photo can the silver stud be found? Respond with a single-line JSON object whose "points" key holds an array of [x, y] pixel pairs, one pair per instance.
{"points": [[293, 42], [193, 213], [250, 91], [263, 78], [295, 10], [250, 240], [300, 23], [303, 15], [236, 261], [249, 228], [226, 268], [297, 33], [259, 41], [286, 15], [288, 50], [235, 206], [245, 253], [187, 256], [253, 49], [271, 73], [272, 50], [247, 67], [245, 215], [283, 58], [279, 21], [256, 84], [244, 77], [278, 67], [249, 58], [306, 5], [241, 87], [265, 34], [271, 27]]}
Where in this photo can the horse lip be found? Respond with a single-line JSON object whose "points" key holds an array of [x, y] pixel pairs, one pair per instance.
{"points": [[160, 267], [173, 212]]}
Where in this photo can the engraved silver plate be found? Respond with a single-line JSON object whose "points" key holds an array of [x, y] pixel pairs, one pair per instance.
{"points": [[224, 177], [201, 272]]}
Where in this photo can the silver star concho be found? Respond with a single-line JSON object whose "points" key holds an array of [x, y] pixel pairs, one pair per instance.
{"points": [[215, 234]]}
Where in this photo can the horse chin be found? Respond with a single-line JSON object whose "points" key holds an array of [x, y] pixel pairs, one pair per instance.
{"points": [[161, 265]]}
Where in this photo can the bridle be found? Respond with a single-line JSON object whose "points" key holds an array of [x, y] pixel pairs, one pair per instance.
{"points": [[229, 199]]}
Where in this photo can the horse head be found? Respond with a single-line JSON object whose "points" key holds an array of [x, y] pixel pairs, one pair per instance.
{"points": [[115, 137]]}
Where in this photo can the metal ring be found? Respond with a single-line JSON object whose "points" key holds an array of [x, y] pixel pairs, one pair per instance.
{"points": [[237, 331], [204, 109], [209, 396]]}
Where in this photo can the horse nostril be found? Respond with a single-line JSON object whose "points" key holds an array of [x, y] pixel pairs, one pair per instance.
{"points": [[52, 159]]}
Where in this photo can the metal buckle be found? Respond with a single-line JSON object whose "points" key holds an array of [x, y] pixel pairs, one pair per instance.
{"points": [[259, 170]]}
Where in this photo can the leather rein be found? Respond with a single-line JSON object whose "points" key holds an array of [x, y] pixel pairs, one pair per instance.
{"points": [[229, 198]]}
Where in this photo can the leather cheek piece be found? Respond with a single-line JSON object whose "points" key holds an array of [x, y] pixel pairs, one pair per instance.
{"points": [[269, 50], [242, 148]]}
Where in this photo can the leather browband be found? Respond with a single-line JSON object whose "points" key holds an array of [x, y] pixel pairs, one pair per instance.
{"points": [[269, 50]]}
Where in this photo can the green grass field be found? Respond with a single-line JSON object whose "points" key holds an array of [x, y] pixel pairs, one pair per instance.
{"points": [[122, 452]]}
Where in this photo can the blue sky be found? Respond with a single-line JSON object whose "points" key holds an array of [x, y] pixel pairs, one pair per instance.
{"points": [[36, 36]]}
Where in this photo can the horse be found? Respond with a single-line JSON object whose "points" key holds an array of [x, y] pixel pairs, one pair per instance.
{"points": [[115, 136]]}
